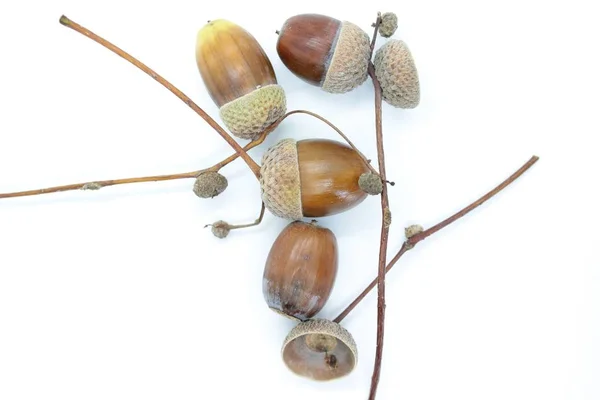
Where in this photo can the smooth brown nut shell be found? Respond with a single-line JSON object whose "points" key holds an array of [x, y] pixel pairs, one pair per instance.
{"points": [[324, 51], [329, 174], [300, 270], [315, 53], [305, 361]]}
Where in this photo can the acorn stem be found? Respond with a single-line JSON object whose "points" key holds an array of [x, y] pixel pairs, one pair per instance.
{"points": [[413, 240], [375, 32], [255, 223], [108, 45], [338, 130]]}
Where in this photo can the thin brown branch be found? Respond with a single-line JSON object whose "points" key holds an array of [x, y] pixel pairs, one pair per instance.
{"points": [[375, 32], [255, 223], [95, 185], [412, 241], [385, 222], [103, 42], [385, 225], [338, 130]]}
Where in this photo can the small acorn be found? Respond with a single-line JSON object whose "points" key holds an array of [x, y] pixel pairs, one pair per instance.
{"points": [[370, 183], [324, 51], [396, 71], [210, 184], [311, 178], [320, 349], [220, 229], [239, 78], [300, 270], [389, 24]]}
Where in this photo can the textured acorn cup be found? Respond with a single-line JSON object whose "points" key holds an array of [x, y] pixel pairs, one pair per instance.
{"points": [[300, 270], [320, 349], [311, 178], [324, 51], [239, 78], [396, 71]]}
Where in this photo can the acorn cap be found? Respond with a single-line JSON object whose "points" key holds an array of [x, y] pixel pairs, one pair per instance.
{"points": [[320, 349], [389, 24], [395, 69], [248, 116], [349, 63], [370, 183], [280, 180], [209, 184]]}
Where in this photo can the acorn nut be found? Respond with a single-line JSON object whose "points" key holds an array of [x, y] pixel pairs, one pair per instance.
{"points": [[395, 69], [239, 78], [325, 52], [320, 349], [300, 270], [311, 178]]}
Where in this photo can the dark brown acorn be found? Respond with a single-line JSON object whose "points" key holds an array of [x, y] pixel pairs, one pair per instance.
{"points": [[311, 178], [300, 270], [324, 51]]}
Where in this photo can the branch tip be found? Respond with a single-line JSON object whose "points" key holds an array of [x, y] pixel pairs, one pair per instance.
{"points": [[64, 20]]}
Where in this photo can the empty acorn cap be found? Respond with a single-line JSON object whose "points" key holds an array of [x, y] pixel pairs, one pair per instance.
{"points": [[397, 74], [320, 349]]}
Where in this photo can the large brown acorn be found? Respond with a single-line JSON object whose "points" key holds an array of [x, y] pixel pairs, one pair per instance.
{"points": [[239, 78], [300, 270], [311, 178], [324, 51]]}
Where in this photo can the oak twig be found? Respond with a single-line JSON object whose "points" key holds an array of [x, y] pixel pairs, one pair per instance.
{"points": [[103, 42], [414, 240], [251, 224], [385, 221], [95, 185]]}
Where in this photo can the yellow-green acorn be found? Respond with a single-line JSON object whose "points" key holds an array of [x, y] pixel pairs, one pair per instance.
{"points": [[239, 77]]}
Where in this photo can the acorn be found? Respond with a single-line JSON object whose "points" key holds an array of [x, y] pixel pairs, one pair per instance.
{"points": [[300, 270], [389, 24], [325, 52], [396, 71], [209, 184], [239, 78], [311, 178], [320, 349]]}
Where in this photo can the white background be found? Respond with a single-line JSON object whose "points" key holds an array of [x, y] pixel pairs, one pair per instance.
{"points": [[121, 294]]}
